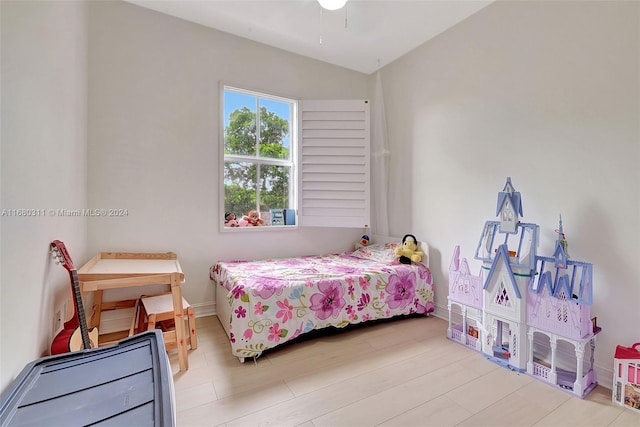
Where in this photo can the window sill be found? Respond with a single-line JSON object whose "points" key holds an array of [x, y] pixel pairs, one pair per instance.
{"points": [[261, 228]]}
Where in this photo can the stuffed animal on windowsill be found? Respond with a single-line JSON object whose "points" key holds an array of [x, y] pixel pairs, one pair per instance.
{"points": [[252, 218], [230, 220], [408, 250]]}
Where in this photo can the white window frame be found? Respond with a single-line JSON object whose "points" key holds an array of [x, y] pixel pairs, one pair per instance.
{"points": [[330, 155], [291, 162]]}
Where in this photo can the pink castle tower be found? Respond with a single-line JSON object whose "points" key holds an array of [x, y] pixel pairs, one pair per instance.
{"points": [[465, 295], [559, 321]]}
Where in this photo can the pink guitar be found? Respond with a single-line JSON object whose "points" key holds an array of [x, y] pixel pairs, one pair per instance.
{"points": [[75, 334]]}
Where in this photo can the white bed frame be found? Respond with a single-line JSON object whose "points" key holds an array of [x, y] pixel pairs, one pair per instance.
{"points": [[223, 310]]}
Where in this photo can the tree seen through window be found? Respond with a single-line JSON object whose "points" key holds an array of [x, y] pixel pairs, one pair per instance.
{"points": [[258, 160]]}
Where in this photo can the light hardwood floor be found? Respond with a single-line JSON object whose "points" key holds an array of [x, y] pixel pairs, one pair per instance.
{"points": [[399, 373]]}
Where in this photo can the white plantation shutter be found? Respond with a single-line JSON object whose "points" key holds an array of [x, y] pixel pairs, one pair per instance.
{"points": [[333, 168]]}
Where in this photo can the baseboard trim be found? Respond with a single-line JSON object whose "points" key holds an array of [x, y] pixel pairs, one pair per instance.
{"points": [[204, 309]]}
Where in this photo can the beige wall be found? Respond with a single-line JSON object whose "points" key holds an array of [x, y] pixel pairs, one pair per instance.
{"points": [[548, 94], [44, 90]]}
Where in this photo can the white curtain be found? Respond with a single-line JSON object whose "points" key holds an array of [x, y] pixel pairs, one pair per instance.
{"points": [[379, 162]]}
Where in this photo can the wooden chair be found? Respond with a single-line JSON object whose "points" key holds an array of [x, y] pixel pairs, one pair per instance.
{"points": [[157, 310]]}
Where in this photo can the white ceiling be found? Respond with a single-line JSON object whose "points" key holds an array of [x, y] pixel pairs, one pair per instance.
{"points": [[376, 33]]}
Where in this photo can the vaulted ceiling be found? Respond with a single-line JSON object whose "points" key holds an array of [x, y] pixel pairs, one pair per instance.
{"points": [[363, 36]]}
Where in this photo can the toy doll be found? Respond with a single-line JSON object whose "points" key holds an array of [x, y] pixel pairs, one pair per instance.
{"points": [[230, 220]]}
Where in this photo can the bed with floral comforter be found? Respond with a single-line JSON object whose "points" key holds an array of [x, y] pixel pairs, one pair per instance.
{"points": [[263, 304]]}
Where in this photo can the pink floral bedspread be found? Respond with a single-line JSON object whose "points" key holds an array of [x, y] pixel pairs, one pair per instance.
{"points": [[274, 301]]}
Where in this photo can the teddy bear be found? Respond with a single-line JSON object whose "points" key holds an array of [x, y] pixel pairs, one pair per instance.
{"points": [[408, 251], [253, 218], [230, 220]]}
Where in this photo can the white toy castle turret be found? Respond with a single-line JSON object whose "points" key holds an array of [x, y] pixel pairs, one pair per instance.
{"points": [[509, 208], [507, 249]]}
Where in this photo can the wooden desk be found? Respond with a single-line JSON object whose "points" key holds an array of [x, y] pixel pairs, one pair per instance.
{"points": [[117, 270]]}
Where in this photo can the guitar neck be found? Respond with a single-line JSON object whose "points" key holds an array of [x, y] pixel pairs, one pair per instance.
{"points": [[79, 308]]}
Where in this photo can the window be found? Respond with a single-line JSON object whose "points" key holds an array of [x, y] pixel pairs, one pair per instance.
{"points": [[317, 177], [259, 152]]}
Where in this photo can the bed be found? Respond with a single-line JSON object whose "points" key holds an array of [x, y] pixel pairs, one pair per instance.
{"points": [[266, 303]]}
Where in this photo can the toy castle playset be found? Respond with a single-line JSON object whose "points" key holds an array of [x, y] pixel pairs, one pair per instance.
{"points": [[524, 311]]}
